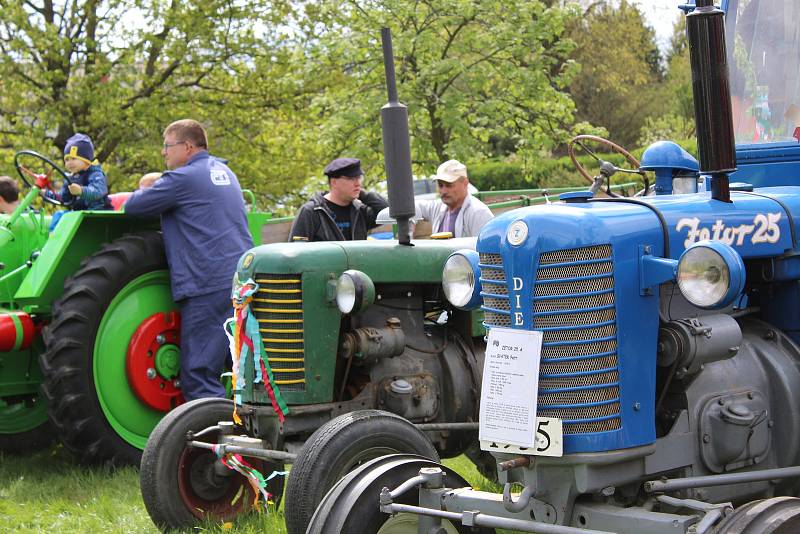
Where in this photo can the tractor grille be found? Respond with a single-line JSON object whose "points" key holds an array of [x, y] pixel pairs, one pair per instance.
{"points": [[278, 306], [574, 306]]}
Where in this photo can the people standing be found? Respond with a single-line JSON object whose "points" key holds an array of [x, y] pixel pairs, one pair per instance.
{"points": [[204, 222], [345, 212], [455, 211]]}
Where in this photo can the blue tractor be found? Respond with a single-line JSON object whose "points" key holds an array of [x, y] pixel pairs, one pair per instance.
{"points": [[662, 332]]}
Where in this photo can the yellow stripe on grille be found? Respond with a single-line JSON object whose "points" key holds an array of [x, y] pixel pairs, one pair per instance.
{"points": [[285, 382], [281, 290], [285, 360], [273, 281], [270, 349], [270, 340], [272, 310], [295, 370], [279, 301], [282, 321], [280, 331]]}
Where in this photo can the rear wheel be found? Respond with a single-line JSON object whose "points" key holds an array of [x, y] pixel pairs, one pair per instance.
{"points": [[352, 505], [112, 351], [182, 486], [340, 446]]}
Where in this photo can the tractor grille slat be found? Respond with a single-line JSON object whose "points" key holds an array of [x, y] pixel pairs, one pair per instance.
{"points": [[578, 316], [278, 306]]}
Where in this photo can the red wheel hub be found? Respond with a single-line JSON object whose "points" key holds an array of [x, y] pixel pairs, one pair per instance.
{"points": [[153, 361]]}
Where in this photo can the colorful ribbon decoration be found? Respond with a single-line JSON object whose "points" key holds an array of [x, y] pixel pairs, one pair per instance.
{"points": [[245, 338], [256, 480]]}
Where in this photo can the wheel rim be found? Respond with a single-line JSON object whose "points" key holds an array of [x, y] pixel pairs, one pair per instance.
{"points": [[406, 523], [208, 494], [18, 415], [153, 361], [139, 300]]}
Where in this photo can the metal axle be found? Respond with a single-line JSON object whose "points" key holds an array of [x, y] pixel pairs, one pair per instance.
{"points": [[264, 454], [667, 486]]}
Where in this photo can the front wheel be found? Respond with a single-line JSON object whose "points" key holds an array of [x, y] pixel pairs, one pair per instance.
{"points": [[352, 505], [779, 515], [338, 447], [182, 486]]}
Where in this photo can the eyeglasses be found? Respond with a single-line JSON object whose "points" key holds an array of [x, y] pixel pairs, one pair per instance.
{"points": [[170, 145]]}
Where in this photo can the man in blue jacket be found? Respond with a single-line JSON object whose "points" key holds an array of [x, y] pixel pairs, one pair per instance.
{"points": [[204, 222]]}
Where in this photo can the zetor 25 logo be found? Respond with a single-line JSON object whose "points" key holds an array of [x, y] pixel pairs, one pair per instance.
{"points": [[764, 229]]}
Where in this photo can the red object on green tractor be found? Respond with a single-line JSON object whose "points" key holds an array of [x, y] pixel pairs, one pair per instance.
{"points": [[88, 328]]}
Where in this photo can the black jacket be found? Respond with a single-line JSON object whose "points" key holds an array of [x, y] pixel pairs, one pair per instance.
{"points": [[315, 221]]}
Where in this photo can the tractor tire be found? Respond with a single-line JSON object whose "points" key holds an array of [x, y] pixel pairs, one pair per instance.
{"points": [[34, 433], [24, 425], [91, 399], [181, 486], [352, 504], [778, 515], [338, 447]]}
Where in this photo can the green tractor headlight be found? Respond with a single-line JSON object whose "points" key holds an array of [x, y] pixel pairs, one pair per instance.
{"points": [[354, 292]]}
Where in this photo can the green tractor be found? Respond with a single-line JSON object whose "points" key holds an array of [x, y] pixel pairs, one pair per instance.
{"points": [[89, 333]]}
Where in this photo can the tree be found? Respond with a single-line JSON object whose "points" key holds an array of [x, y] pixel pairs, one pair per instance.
{"points": [[676, 120], [119, 70], [620, 69], [474, 74]]}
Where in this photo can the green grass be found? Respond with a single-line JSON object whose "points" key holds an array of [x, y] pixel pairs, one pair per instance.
{"points": [[48, 492]]}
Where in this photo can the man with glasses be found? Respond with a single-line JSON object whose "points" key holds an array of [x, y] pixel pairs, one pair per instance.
{"points": [[456, 211], [204, 222], [345, 212]]}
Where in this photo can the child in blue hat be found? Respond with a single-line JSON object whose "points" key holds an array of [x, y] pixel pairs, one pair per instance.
{"points": [[87, 187]]}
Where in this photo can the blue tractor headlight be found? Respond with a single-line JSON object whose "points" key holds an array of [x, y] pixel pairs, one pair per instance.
{"points": [[710, 274], [461, 279]]}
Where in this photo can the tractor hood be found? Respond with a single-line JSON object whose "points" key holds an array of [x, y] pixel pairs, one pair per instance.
{"points": [[383, 261]]}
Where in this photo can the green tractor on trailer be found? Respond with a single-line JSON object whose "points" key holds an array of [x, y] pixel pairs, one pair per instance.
{"points": [[89, 332]]}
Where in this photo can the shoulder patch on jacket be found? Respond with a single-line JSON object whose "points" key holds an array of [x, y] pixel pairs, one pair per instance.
{"points": [[220, 177]]}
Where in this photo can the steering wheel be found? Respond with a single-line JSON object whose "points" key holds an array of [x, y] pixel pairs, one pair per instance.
{"points": [[607, 169], [40, 179]]}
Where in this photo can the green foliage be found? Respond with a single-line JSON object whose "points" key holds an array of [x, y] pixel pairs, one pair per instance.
{"points": [[553, 172], [476, 76], [119, 70], [676, 120], [620, 70]]}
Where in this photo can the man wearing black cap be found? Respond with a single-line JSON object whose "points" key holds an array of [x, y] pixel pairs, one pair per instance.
{"points": [[345, 212]]}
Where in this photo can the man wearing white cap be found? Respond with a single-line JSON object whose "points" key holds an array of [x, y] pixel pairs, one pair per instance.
{"points": [[456, 211]]}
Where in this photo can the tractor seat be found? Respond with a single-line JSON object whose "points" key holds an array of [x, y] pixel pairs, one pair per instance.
{"points": [[118, 200]]}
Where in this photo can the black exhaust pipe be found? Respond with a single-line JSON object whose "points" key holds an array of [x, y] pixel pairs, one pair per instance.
{"points": [[396, 148], [712, 96]]}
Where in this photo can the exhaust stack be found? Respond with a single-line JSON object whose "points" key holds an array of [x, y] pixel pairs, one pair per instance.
{"points": [[712, 96], [396, 148]]}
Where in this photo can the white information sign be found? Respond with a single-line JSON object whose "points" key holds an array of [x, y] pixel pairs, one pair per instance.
{"points": [[509, 390], [510, 386]]}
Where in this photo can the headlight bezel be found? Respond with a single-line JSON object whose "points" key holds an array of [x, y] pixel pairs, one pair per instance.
{"points": [[469, 298], [726, 262]]}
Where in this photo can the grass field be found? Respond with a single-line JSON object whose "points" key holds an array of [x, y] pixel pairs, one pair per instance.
{"points": [[47, 492]]}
